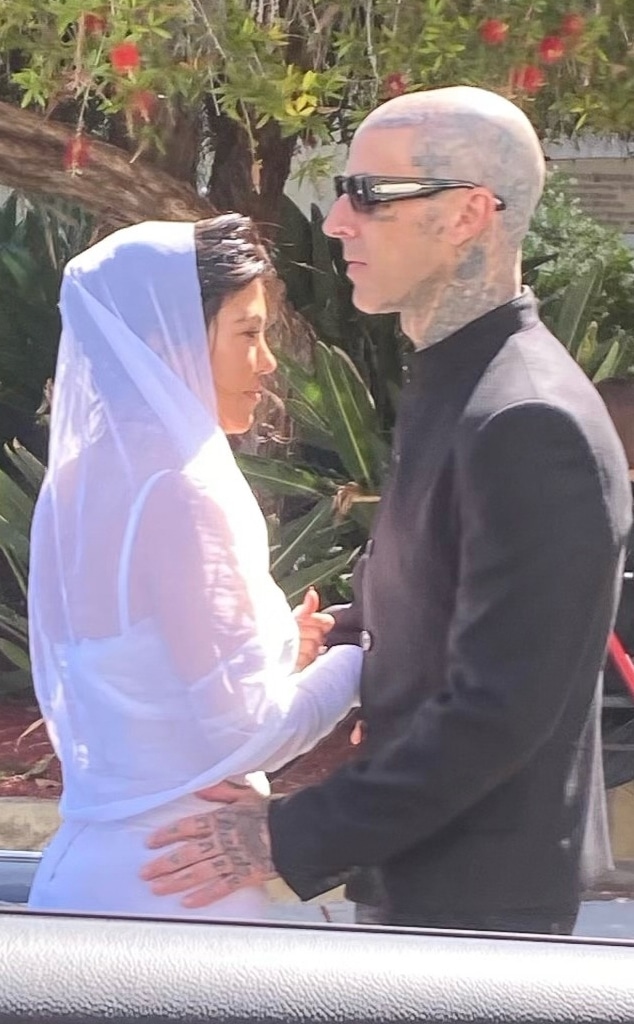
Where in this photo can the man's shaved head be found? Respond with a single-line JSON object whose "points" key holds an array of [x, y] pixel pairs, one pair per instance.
{"points": [[444, 257], [475, 135]]}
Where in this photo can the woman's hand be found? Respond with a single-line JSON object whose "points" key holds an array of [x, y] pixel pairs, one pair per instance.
{"points": [[313, 628]]}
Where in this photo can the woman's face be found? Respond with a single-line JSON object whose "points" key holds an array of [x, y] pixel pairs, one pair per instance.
{"points": [[240, 356]]}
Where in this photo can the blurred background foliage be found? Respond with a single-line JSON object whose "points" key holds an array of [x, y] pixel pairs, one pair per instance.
{"points": [[320, 481]]}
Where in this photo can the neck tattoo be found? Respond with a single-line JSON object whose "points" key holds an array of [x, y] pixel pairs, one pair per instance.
{"points": [[442, 304]]}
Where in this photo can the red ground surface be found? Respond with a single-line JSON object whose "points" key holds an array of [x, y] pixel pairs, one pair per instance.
{"points": [[28, 767]]}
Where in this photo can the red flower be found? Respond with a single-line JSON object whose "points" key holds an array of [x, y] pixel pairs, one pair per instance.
{"points": [[142, 104], [94, 24], [76, 153], [551, 49], [529, 78], [125, 57], [572, 25], [493, 32], [395, 84]]}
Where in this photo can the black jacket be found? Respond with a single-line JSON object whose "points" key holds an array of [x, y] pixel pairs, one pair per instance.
{"points": [[484, 602]]}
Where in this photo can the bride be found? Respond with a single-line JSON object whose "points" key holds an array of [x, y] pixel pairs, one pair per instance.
{"points": [[164, 656]]}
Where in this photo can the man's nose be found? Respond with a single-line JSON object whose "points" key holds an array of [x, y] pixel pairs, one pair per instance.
{"points": [[340, 220]]}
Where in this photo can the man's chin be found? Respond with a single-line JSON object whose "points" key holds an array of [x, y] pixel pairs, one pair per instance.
{"points": [[368, 303]]}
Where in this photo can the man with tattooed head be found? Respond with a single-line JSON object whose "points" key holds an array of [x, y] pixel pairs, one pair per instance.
{"points": [[487, 591]]}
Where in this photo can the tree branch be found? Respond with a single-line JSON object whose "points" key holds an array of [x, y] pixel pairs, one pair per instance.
{"points": [[117, 191]]}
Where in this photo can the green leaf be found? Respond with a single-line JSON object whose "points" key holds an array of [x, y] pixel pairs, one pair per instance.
{"points": [[306, 405], [16, 655], [588, 348], [532, 263], [577, 305], [312, 427], [295, 539], [294, 254], [12, 541], [9, 617], [16, 682], [13, 625], [30, 468], [297, 583], [279, 477], [18, 566], [306, 386], [18, 264], [351, 414], [16, 506], [326, 283], [609, 364]]}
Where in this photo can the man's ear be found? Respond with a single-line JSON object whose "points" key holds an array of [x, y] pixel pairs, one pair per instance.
{"points": [[474, 213]]}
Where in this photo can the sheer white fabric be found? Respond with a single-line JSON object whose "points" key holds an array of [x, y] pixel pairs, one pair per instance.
{"points": [[162, 650]]}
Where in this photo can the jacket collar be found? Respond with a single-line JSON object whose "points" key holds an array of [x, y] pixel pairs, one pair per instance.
{"points": [[476, 344]]}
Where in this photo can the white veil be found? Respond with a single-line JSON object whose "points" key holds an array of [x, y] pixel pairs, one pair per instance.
{"points": [[133, 395], [134, 401]]}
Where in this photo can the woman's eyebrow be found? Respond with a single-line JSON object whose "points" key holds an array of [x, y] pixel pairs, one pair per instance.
{"points": [[252, 318]]}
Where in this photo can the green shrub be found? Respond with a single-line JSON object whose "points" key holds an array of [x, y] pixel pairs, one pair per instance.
{"points": [[36, 241], [574, 241]]}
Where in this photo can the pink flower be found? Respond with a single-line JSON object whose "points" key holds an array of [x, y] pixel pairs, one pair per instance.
{"points": [[142, 104], [551, 49], [572, 25], [529, 78], [94, 24], [125, 57], [395, 84], [493, 32], [76, 153]]}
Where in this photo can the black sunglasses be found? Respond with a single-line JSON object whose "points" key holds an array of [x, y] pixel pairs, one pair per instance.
{"points": [[367, 190]]}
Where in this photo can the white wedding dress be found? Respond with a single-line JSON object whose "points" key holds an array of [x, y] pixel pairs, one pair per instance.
{"points": [[143, 496]]}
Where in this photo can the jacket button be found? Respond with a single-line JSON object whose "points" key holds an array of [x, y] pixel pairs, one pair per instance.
{"points": [[366, 640]]}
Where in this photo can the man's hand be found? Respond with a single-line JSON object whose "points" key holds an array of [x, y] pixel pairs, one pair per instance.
{"points": [[228, 849], [313, 627]]}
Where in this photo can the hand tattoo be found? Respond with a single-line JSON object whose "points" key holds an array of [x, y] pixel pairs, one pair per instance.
{"points": [[231, 843], [243, 837]]}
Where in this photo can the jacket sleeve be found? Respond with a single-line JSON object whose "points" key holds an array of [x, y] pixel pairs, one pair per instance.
{"points": [[541, 536]]}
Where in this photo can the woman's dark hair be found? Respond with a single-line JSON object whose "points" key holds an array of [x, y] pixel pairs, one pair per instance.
{"points": [[229, 255]]}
